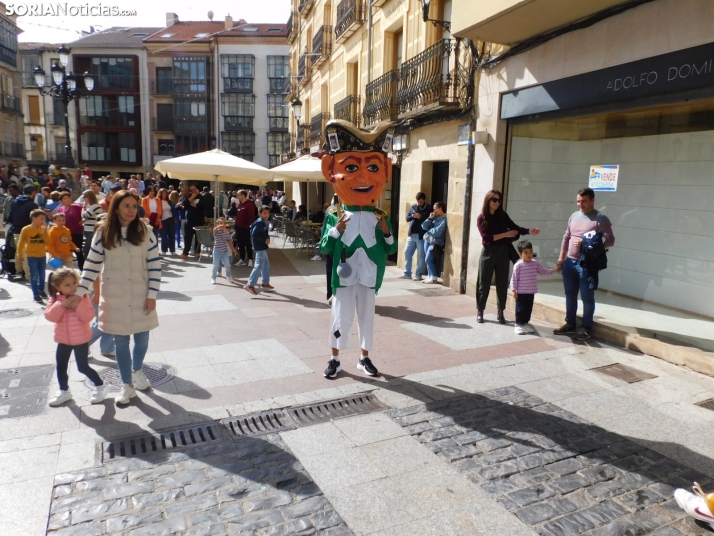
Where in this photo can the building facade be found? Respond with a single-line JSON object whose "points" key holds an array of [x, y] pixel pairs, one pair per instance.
{"points": [[371, 61], [622, 101], [12, 133]]}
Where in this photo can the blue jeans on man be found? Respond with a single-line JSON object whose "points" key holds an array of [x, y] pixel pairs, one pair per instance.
{"points": [[261, 267], [575, 280], [37, 274], [414, 242]]}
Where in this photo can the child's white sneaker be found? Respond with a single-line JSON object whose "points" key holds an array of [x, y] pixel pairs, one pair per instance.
{"points": [[100, 393], [521, 330], [213, 281], [60, 398], [140, 380], [125, 395]]}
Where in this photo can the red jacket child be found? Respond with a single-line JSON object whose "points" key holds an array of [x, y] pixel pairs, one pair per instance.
{"points": [[71, 327]]}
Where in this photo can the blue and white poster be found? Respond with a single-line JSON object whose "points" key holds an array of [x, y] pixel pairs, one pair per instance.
{"points": [[604, 178]]}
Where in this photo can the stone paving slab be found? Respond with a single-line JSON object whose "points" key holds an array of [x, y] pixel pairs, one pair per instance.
{"points": [[250, 486], [553, 470]]}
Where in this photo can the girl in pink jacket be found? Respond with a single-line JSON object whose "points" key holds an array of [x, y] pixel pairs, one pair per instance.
{"points": [[72, 316]]}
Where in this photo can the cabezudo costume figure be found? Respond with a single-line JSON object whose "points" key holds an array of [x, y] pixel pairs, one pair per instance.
{"points": [[358, 236]]}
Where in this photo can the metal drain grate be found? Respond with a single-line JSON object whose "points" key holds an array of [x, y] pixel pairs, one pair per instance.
{"points": [[156, 373], [334, 409], [624, 373], [23, 391], [706, 404], [145, 444], [256, 424], [15, 313]]}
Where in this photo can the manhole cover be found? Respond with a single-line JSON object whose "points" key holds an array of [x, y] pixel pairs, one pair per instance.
{"points": [[156, 373], [15, 313], [624, 373], [23, 391]]}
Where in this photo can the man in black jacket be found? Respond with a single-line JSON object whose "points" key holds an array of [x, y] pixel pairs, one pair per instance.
{"points": [[20, 217], [193, 206], [417, 214]]}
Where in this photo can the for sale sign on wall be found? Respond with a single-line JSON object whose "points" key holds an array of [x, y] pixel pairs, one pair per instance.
{"points": [[604, 178]]}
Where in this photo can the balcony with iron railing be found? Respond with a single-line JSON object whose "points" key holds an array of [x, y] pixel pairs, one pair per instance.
{"points": [[321, 46], [350, 14], [348, 109], [438, 78], [381, 98], [11, 104], [279, 85], [305, 7], [292, 27], [304, 69], [14, 150], [303, 133], [317, 128]]}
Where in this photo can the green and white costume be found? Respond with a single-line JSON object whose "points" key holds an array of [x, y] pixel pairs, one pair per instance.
{"points": [[366, 249]]}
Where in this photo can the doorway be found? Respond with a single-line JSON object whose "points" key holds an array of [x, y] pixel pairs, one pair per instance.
{"points": [[440, 183]]}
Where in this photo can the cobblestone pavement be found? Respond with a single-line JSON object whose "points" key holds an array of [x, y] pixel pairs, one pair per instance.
{"points": [[253, 486], [553, 470]]}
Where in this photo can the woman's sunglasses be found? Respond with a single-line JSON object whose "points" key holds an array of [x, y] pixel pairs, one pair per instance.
{"points": [[495, 200]]}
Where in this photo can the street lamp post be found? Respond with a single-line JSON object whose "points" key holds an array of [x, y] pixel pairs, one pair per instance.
{"points": [[64, 89]]}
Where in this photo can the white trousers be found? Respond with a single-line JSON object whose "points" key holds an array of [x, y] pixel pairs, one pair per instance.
{"points": [[345, 302]]}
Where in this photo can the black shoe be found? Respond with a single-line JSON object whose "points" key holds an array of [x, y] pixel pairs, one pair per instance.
{"points": [[583, 334], [479, 317], [565, 329], [44, 296], [38, 299], [501, 318], [333, 367], [366, 366]]}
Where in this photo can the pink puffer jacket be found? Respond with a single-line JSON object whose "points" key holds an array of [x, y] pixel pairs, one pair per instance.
{"points": [[71, 327]]}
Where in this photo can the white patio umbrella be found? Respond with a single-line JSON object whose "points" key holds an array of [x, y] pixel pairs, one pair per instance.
{"points": [[304, 169], [215, 165]]}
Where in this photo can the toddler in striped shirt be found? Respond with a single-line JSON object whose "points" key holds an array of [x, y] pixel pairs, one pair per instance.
{"points": [[524, 285]]}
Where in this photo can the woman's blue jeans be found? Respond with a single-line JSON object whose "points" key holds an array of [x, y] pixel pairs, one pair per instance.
{"points": [[106, 342], [575, 280], [125, 360]]}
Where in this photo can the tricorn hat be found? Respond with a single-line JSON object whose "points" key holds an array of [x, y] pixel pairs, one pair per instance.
{"points": [[342, 136]]}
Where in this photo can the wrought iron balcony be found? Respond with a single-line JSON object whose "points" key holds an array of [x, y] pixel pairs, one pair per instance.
{"points": [[162, 86], [292, 27], [350, 14], [303, 133], [304, 69], [279, 85], [381, 98], [15, 150], [439, 77], [322, 45], [12, 104], [305, 6], [348, 109], [317, 128]]}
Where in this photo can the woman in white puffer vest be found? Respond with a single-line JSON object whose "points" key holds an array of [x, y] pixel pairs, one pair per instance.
{"points": [[125, 252]]}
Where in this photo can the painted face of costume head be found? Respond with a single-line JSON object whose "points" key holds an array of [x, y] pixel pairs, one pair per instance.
{"points": [[357, 164]]}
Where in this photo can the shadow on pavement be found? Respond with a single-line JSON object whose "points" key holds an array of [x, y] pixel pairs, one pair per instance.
{"points": [[404, 314]]}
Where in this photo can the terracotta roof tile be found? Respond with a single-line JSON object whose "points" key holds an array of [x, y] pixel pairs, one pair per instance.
{"points": [[37, 46], [187, 31]]}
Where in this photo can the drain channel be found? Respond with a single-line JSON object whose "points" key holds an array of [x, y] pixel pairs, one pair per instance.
{"points": [[706, 404], [334, 409], [145, 444], [265, 422]]}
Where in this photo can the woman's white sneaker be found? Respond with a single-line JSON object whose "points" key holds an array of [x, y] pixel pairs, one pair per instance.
{"points": [[100, 393], [125, 395], [60, 398], [140, 381]]}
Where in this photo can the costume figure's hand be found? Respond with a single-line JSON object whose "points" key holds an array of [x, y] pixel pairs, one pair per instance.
{"points": [[342, 223], [382, 224]]}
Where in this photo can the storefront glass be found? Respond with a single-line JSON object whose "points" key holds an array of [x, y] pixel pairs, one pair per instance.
{"points": [[662, 210]]}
